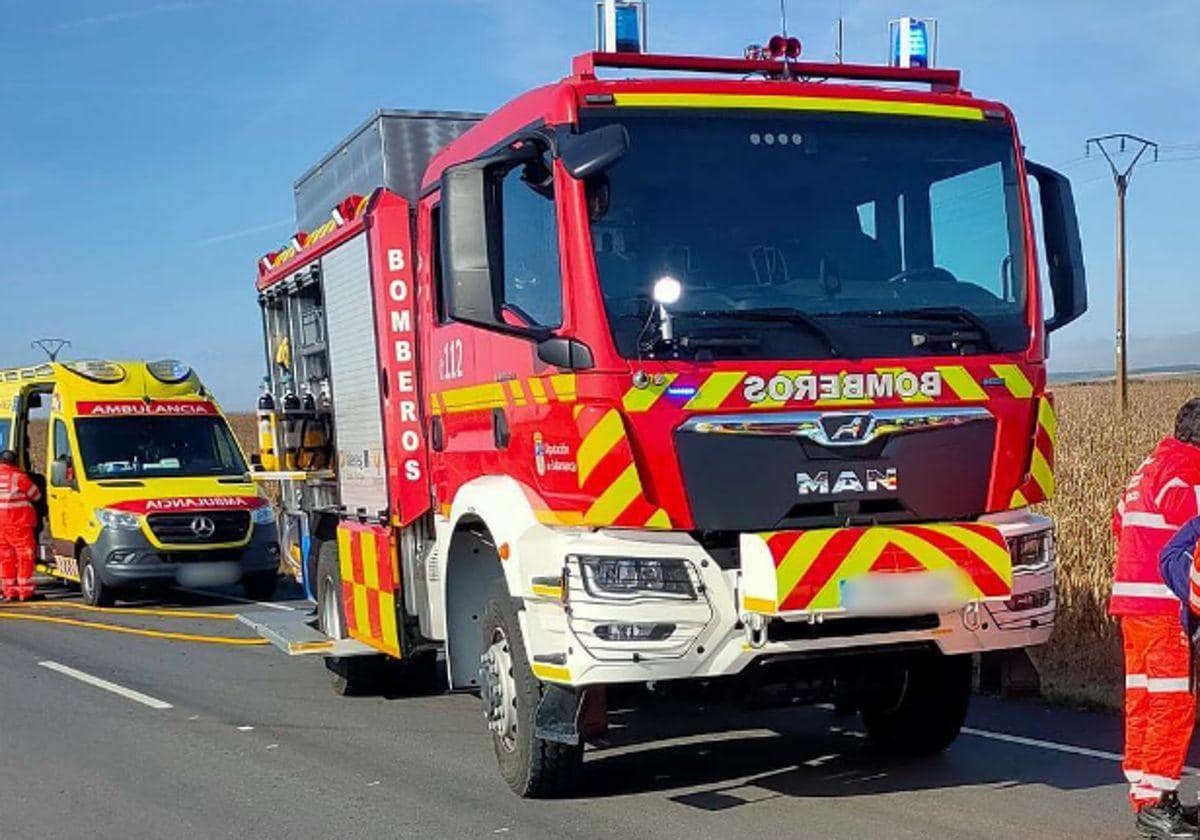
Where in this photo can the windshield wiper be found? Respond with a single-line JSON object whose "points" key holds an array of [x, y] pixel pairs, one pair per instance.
{"points": [[960, 314], [781, 315]]}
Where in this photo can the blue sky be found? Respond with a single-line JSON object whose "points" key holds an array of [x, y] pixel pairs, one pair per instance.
{"points": [[148, 148]]}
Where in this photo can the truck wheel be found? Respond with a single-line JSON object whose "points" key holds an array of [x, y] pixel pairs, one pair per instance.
{"points": [[349, 676], [532, 766], [93, 590], [260, 586], [921, 713]]}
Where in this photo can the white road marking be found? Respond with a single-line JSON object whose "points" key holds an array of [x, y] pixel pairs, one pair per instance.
{"points": [[1053, 746], [245, 729], [127, 693], [271, 605]]}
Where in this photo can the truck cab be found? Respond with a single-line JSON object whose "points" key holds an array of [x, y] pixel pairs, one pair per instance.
{"points": [[145, 484], [738, 372]]}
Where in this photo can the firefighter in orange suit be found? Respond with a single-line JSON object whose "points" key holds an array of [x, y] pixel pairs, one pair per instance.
{"points": [[18, 521], [1160, 702]]}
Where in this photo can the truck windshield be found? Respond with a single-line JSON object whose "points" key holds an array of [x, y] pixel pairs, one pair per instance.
{"points": [[168, 447], [803, 235]]}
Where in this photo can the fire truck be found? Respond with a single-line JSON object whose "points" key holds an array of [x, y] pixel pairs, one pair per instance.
{"points": [[733, 371]]}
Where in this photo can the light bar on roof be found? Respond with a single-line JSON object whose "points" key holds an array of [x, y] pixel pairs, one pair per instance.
{"points": [[97, 370]]}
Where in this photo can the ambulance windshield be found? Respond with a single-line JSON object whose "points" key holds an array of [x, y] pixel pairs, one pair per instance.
{"points": [[149, 447], [802, 235]]}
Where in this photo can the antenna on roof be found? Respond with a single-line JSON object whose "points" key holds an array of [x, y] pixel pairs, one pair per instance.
{"points": [[50, 346], [783, 17]]}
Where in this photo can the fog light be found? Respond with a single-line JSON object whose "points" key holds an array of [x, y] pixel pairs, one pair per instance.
{"points": [[634, 632], [1029, 600], [121, 557]]}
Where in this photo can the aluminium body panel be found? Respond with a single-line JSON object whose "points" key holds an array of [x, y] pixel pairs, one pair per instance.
{"points": [[354, 378], [391, 149]]}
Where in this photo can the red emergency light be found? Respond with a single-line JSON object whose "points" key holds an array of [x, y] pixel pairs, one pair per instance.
{"points": [[782, 47]]}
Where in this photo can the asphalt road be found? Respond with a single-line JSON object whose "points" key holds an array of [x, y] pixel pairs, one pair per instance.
{"points": [[255, 745]]}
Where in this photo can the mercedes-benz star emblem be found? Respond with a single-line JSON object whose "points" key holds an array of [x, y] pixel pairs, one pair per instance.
{"points": [[203, 527]]}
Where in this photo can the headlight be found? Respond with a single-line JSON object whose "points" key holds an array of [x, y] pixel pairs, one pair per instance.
{"points": [[1031, 551], [609, 577], [118, 520], [264, 515]]}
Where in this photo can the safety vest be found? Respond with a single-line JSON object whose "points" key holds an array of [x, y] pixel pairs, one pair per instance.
{"points": [[17, 495], [1160, 497]]}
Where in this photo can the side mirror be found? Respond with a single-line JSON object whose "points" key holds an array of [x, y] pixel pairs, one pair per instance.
{"points": [[62, 473], [1064, 253], [256, 463], [473, 238], [592, 152]]}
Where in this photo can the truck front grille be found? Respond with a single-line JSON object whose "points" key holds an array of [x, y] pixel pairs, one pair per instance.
{"points": [[227, 526]]}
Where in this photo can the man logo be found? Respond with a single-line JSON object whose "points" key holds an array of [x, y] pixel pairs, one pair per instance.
{"points": [[203, 527], [848, 481], [844, 427]]}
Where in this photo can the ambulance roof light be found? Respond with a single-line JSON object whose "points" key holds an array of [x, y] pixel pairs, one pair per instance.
{"points": [[97, 370], [169, 371]]}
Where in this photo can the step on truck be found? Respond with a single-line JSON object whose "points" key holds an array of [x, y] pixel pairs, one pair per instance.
{"points": [[145, 484], [732, 372]]}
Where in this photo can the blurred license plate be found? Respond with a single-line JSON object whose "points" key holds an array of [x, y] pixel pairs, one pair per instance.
{"points": [[906, 593]]}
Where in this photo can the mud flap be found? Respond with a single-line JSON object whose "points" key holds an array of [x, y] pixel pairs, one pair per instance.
{"points": [[571, 716]]}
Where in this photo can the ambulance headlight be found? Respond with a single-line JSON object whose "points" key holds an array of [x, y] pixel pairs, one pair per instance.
{"points": [[118, 520], [637, 577], [263, 515]]}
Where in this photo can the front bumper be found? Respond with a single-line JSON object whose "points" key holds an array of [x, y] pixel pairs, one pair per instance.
{"points": [[712, 637], [128, 559]]}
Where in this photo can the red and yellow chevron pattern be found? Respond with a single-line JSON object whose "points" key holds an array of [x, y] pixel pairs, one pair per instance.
{"points": [[370, 581], [608, 473], [810, 567], [1039, 481]]}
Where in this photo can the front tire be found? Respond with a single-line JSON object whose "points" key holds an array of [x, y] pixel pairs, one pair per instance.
{"points": [[922, 710], [91, 587], [533, 767]]}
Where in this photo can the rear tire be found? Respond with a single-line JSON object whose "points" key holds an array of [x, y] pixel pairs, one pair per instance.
{"points": [[533, 767], [91, 587], [349, 676], [921, 712], [260, 586]]}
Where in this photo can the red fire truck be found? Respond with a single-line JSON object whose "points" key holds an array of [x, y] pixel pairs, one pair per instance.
{"points": [[735, 370]]}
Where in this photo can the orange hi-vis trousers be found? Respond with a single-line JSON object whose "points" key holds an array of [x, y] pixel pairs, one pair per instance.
{"points": [[17, 552], [1160, 705]]}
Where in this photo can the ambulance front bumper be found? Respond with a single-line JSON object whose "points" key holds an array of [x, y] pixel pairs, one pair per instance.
{"points": [[694, 624], [126, 558]]}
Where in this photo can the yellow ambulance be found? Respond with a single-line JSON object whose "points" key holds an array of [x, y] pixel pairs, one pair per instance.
{"points": [[145, 484]]}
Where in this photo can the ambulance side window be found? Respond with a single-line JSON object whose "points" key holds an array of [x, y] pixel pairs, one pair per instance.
{"points": [[532, 283], [62, 443]]}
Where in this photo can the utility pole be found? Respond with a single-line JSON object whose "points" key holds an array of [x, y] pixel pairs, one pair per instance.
{"points": [[50, 346], [1121, 179]]}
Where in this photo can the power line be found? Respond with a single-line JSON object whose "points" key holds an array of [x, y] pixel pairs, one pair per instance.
{"points": [[1121, 181]]}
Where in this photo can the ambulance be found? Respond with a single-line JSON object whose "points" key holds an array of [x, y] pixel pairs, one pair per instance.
{"points": [[145, 485]]}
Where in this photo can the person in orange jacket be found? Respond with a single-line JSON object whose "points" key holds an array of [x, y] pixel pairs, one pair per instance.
{"points": [[1160, 700], [18, 523]]}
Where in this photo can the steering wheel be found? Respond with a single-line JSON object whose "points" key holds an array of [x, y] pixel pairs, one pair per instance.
{"points": [[929, 274]]}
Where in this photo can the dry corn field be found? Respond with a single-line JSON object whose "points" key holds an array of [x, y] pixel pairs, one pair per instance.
{"points": [[1096, 453]]}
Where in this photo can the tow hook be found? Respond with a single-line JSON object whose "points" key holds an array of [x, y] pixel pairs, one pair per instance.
{"points": [[756, 630]]}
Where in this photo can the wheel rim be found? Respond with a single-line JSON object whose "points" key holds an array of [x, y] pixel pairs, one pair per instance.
{"points": [[331, 621], [500, 690], [88, 583]]}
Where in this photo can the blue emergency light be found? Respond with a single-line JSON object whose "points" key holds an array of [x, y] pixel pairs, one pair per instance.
{"points": [[913, 42], [621, 26]]}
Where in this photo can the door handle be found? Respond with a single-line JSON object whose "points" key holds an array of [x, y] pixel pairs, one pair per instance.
{"points": [[500, 431]]}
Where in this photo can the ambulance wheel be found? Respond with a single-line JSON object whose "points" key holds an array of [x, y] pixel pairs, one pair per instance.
{"points": [[533, 767], [260, 586], [93, 590], [921, 711]]}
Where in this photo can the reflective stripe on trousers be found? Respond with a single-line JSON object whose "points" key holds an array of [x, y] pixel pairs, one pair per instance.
{"points": [[1160, 705]]}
